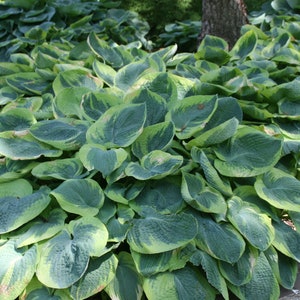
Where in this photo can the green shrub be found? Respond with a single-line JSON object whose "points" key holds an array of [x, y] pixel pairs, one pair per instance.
{"points": [[139, 175]]}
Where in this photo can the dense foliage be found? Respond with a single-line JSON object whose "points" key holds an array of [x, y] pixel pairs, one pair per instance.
{"points": [[138, 175]]}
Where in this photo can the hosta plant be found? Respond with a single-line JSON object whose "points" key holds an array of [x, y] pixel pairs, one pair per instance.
{"points": [[134, 175]]}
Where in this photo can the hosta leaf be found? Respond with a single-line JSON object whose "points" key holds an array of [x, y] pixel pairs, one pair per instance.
{"points": [[42, 229], [240, 273], [96, 157], [64, 134], [119, 126], [157, 164], [75, 78], [201, 197], [150, 264], [15, 188], [191, 114], [89, 233], [106, 52], [254, 226], [67, 168], [154, 137], [17, 211], [29, 83], [273, 47], [17, 267], [210, 266], [263, 284], [287, 56], [216, 135], [248, 153], [100, 272], [186, 283], [156, 106], [17, 119], [244, 46], [104, 72], [210, 173], [23, 146], [220, 240], [7, 95], [95, 104], [152, 234], [80, 196], [13, 169], [63, 261], [67, 102], [162, 195], [127, 283], [279, 189], [287, 240]]}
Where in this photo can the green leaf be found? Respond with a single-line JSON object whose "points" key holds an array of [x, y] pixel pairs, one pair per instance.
{"points": [[42, 229], [154, 137], [156, 165], [220, 240], [17, 211], [253, 225], [287, 240], [17, 119], [127, 283], [210, 173], [287, 56], [15, 188], [211, 268], [152, 234], [191, 114], [104, 72], [279, 189], [119, 126], [28, 83], [244, 46], [100, 272], [64, 134], [7, 94], [63, 261], [248, 153], [80, 196], [201, 197], [67, 168], [186, 283], [20, 145], [17, 267], [263, 284], [96, 157]]}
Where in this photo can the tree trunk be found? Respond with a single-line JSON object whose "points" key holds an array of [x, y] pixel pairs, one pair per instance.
{"points": [[223, 18]]}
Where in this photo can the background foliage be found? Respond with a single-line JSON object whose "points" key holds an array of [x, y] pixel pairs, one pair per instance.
{"points": [[130, 174]]}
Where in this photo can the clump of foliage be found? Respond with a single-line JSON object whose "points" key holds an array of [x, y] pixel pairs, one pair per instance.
{"points": [[157, 175]]}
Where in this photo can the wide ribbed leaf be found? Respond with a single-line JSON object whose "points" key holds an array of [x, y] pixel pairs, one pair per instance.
{"points": [[119, 126], [80, 196], [64, 134], [15, 188], [17, 267], [152, 234], [127, 283], [279, 189], [67, 168], [154, 137], [201, 197], [16, 211], [220, 240], [100, 272], [248, 153], [253, 225], [191, 114], [186, 283], [157, 164], [96, 157], [263, 284], [42, 229], [22, 145], [104, 72]]}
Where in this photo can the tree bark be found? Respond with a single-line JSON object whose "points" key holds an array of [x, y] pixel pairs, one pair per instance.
{"points": [[223, 18]]}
